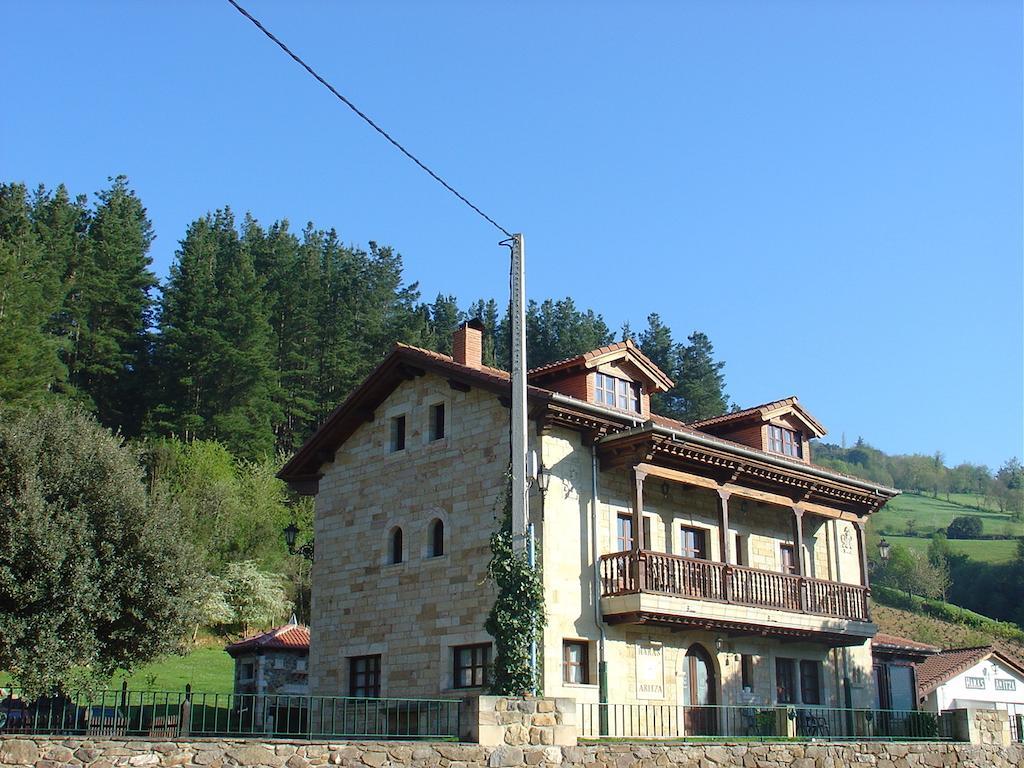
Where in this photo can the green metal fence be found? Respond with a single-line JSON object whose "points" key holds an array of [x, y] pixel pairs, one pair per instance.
{"points": [[760, 723], [172, 714]]}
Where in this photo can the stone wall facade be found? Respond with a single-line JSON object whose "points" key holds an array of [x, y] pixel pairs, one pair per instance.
{"points": [[566, 547], [496, 720], [57, 752]]}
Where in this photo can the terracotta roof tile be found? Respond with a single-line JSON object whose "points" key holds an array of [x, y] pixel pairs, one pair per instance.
{"points": [[945, 665], [744, 413], [287, 637], [883, 640]]}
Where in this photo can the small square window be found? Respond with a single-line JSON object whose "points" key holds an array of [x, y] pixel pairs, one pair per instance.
{"points": [[437, 424], [398, 433], [576, 661], [470, 664], [364, 676]]}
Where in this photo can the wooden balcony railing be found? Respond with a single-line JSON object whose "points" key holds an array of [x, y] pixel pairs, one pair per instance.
{"points": [[625, 573]]}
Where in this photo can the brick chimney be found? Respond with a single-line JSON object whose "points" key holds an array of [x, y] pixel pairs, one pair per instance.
{"points": [[468, 343]]}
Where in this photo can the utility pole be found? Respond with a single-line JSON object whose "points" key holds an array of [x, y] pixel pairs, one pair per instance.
{"points": [[520, 497], [522, 529]]}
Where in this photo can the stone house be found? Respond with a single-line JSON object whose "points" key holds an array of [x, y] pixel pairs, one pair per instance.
{"points": [[693, 564], [274, 662]]}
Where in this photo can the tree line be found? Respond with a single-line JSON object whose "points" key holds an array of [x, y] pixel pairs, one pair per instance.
{"points": [[258, 331], [1002, 489], [142, 423]]}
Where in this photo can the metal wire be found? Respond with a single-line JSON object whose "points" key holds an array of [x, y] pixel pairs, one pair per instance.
{"points": [[365, 117]]}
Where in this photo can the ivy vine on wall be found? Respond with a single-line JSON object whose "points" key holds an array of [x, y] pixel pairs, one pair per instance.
{"points": [[517, 616]]}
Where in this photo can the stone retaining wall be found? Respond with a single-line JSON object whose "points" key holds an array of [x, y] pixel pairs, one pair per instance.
{"points": [[519, 721], [58, 752]]}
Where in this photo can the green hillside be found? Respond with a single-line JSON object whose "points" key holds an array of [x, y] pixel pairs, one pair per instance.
{"points": [[931, 514], [984, 550]]}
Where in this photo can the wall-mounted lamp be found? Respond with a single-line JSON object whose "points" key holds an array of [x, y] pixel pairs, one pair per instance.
{"points": [[543, 479], [883, 549], [719, 644], [306, 550], [665, 488]]}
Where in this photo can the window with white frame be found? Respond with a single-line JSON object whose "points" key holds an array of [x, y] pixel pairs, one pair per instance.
{"points": [[976, 683], [1005, 685], [618, 393]]}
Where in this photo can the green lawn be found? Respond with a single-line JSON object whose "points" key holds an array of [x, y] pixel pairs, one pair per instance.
{"points": [[931, 514], [989, 551], [209, 670]]}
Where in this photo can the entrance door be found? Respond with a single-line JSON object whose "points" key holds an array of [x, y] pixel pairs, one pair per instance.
{"points": [[699, 693]]}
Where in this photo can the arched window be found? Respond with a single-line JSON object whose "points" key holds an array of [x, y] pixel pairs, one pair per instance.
{"points": [[396, 545], [436, 533]]}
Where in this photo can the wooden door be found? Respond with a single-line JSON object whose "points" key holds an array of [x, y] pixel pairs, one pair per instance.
{"points": [[699, 693]]}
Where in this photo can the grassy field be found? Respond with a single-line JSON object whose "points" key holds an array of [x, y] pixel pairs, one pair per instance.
{"points": [[985, 550], [931, 514], [209, 670]]}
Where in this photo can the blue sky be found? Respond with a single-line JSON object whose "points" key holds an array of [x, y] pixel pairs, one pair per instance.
{"points": [[831, 191]]}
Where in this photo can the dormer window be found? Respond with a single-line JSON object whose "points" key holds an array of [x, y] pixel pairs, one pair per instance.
{"points": [[784, 441], [618, 393]]}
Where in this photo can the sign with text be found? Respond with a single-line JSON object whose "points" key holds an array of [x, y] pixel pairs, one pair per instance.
{"points": [[650, 671]]}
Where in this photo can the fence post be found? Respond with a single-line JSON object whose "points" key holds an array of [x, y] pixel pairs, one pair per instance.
{"points": [[124, 693]]}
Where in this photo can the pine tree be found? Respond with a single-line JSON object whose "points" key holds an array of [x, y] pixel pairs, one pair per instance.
{"points": [[656, 342], [445, 318], [246, 384], [700, 382], [30, 297], [215, 349], [109, 309]]}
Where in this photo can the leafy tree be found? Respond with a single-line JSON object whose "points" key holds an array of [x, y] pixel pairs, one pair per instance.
{"points": [[255, 597], [700, 383], [30, 297], [964, 527], [94, 572]]}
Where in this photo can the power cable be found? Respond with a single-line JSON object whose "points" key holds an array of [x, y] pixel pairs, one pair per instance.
{"points": [[361, 114]]}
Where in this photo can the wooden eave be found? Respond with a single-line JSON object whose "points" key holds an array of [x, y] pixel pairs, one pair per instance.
{"points": [[813, 425], [715, 468], [682, 622], [302, 471]]}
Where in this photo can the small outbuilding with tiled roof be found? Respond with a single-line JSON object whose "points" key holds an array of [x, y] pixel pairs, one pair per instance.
{"points": [[971, 678], [272, 662]]}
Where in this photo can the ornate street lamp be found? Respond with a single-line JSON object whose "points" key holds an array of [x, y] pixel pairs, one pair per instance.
{"points": [[883, 550], [306, 550], [543, 480]]}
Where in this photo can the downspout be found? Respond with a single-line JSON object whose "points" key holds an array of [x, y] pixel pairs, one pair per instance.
{"points": [[602, 662]]}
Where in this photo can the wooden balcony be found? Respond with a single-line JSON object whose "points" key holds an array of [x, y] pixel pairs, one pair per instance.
{"points": [[659, 573]]}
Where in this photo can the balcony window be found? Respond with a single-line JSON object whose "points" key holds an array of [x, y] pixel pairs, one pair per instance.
{"points": [[784, 441], [624, 531], [787, 558], [693, 543], [618, 393]]}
